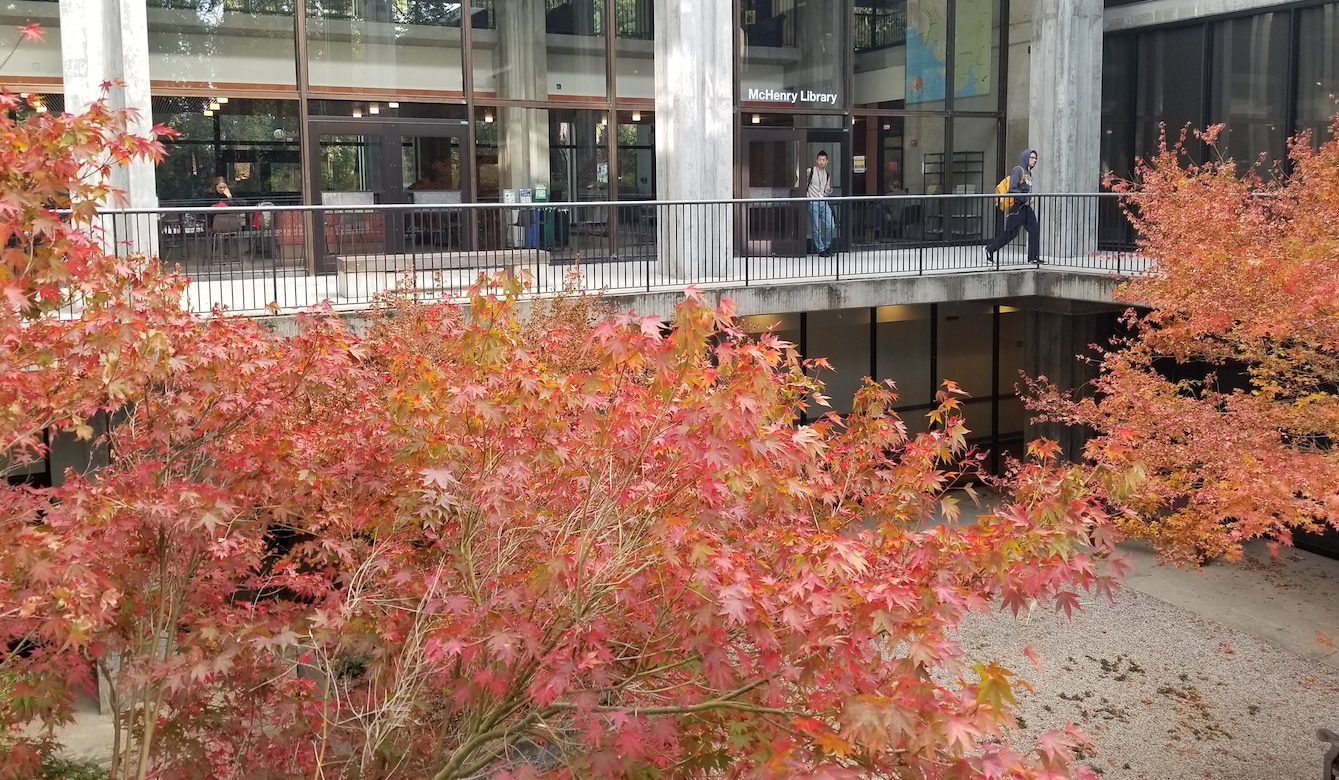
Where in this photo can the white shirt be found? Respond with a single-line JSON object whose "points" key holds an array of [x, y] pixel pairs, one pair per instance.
{"points": [[819, 183]]}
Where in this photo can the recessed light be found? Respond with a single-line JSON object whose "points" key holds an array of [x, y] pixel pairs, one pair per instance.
{"points": [[636, 116], [392, 104]]}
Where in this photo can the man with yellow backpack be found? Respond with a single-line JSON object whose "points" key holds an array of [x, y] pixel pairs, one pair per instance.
{"points": [[1017, 208]]}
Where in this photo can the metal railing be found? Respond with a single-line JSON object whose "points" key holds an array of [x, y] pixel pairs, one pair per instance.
{"points": [[267, 258]]}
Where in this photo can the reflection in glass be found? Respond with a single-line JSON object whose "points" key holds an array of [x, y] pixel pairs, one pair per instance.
{"points": [[1171, 88], [1318, 70], [1249, 88], [536, 49], [636, 156], [350, 168], [842, 336], [252, 144], [904, 353], [1118, 96], [578, 156], [215, 43], [794, 53], [31, 58], [403, 45]]}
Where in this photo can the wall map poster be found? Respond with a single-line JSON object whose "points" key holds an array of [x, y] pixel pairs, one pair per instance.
{"points": [[927, 50]]}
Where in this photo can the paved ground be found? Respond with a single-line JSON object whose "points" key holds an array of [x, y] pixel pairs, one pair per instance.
{"points": [[1221, 673]]}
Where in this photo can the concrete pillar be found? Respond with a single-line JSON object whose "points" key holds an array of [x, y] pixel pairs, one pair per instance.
{"points": [[1051, 347], [102, 41], [523, 74], [694, 58], [1065, 95]]}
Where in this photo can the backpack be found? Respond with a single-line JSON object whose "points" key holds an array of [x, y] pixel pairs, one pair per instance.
{"points": [[1006, 204]]}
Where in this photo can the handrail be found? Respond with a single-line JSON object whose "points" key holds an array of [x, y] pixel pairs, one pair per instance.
{"points": [[491, 205]]}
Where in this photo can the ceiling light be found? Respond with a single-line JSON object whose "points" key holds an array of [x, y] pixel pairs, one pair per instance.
{"points": [[756, 119], [223, 100], [488, 116], [213, 105], [207, 112], [357, 112], [887, 127], [604, 120], [636, 116], [374, 109], [392, 104]]}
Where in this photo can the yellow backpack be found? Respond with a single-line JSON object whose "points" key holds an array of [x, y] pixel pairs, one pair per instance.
{"points": [[1006, 204]]}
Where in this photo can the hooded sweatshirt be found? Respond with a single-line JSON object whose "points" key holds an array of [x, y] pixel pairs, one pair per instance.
{"points": [[1020, 179]]}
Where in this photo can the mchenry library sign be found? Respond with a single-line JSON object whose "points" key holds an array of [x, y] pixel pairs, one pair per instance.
{"points": [[781, 96]]}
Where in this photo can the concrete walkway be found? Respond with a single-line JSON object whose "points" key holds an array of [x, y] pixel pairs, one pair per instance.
{"points": [[1291, 600]]}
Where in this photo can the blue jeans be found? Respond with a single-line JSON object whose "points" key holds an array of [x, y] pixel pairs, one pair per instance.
{"points": [[820, 221]]}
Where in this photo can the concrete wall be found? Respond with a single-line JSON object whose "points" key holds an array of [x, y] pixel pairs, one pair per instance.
{"points": [[1128, 17]]}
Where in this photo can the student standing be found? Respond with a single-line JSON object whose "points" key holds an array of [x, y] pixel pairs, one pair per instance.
{"points": [[820, 213]]}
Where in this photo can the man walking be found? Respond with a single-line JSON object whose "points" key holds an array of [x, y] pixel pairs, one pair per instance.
{"points": [[820, 214], [1021, 215]]}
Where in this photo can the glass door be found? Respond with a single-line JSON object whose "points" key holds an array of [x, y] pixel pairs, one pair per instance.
{"points": [[358, 164], [771, 173], [429, 174]]}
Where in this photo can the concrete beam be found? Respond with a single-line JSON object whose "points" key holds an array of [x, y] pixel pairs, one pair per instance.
{"points": [[1149, 14], [1066, 292]]}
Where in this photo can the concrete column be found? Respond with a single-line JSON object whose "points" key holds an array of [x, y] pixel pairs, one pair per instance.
{"points": [[694, 57], [108, 40], [1065, 93], [1051, 347]]}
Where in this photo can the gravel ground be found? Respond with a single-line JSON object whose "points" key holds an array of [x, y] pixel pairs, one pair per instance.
{"points": [[1165, 693]]}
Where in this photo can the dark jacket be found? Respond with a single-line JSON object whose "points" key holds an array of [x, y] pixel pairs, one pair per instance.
{"points": [[1020, 179]]}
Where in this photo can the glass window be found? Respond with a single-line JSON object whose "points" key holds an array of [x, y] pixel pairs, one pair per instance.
{"points": [[30, 58], [252, 144], [634, 48], [880, 53], [976, 142], [1171, 88], [922, 145], [636, 155], [904, 352], [976, 55], [579, 156], [926, 58], [841, 336], [223, 43], [538, 49], [1118, 97], [965, 342], [1318, 74], [374, 44], [1250, 87], [794, 54]]}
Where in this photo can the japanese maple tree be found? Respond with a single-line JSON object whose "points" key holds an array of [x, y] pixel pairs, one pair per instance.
{"points": [[1225, 397], [482, 539]]}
